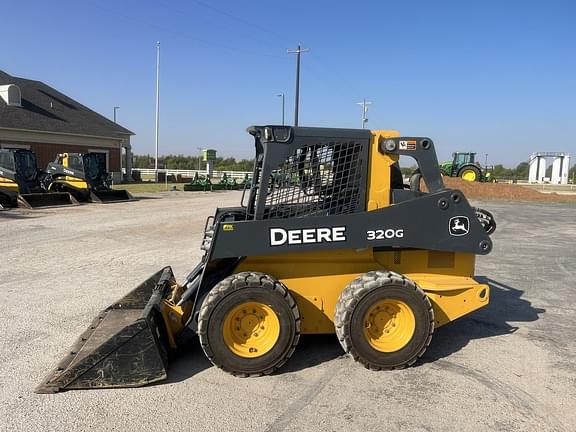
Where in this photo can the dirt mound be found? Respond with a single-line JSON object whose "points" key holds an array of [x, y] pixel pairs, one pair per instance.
{"points": [[503, 191]]}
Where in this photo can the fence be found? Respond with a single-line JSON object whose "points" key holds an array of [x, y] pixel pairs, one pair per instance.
{"points": [[150, 173]]}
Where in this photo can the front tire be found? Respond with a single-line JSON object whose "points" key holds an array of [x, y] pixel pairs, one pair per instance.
{"points": [[384, 320], [249, 324]]}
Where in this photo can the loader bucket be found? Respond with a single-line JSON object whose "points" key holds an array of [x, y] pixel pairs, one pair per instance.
{"points": [[125, 345], [50, 199], [112, 195]]}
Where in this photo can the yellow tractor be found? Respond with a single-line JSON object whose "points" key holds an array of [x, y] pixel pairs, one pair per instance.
{"points": [[84, 176], [339, 246]]}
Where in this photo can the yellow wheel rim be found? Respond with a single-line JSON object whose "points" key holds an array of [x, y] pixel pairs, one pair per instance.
{"points": [[469, 175], [389, 325], [251, 329]]}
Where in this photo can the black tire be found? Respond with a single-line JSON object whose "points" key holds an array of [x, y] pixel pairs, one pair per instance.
{"points": [[415, 179], [233, 291], [356, 300], [486, 219], [468, 168]]}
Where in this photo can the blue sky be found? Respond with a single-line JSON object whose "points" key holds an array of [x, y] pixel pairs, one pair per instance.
{"points": [[496, 77]]}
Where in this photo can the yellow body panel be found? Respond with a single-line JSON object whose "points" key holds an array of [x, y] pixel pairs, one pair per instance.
{"points": [[73, 182], [316, 280], [10, 185], [379, 172], [175, 317]]}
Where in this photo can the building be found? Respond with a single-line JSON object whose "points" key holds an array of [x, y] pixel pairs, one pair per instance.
{"points": [[38, 117]]}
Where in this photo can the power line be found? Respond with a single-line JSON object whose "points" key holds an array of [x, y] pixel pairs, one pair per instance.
{"points": [[219, 24], [180, 34], [241, 20]]}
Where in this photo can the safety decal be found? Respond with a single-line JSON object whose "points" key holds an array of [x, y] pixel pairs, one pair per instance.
{"points": [[409, 145]]}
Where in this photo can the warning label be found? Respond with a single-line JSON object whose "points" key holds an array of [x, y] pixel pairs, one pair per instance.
{"points": [[407, 145]]}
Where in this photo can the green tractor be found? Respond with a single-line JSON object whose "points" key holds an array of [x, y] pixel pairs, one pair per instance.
{"points": [[200, 183], [464, 165]]}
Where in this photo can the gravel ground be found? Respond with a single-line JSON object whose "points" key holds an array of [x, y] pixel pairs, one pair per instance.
{"points": [[508, 367]]}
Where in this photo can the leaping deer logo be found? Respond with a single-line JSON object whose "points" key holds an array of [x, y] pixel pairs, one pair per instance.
{"points": [[459, 225]]}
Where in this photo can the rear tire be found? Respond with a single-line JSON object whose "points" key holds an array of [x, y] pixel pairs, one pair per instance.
{"points": [[469, 173], [249, 324], [415, 179], [384, 320]]}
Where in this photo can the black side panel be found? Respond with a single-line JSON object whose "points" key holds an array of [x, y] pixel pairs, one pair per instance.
{"points": [[441, 221]]}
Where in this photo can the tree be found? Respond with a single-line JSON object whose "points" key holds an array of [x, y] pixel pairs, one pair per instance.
{"points": [[522, 170], [182, 162]]}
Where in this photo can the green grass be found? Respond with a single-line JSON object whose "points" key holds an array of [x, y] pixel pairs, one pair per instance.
{"points": [[148, 187]]}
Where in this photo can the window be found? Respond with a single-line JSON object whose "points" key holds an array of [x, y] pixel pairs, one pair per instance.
{"points": [[6, 161]]}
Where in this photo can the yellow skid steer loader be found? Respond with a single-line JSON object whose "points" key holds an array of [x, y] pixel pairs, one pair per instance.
{"points": [[23, 185], [84, 175], [328, 239]]}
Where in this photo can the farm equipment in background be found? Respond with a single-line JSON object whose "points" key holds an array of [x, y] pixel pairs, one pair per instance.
{"points": [[464, 165], [84, 175], [199, 183], [23, 185], [227, 182], [329, 240]]}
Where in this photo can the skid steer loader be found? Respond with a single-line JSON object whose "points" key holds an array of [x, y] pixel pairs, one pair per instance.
{"points": [[328, 239], [84, 175], [23, 185]]}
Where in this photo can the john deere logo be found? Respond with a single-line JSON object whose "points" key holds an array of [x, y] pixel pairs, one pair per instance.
{"points": [[459, 225]]}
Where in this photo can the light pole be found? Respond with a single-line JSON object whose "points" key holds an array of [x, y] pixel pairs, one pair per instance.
{"points": [[364, 104], [297, 51], [282, 96], [115, 108], [157, 107]]}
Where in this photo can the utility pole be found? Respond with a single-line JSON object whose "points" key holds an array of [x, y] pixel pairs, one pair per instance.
{"points": [[282, 96], [365, 105], [115, 108], [485, 160], [297, 51], [157, 106]]}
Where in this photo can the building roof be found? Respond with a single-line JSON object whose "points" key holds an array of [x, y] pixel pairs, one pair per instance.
{"points": [[44, 108]]}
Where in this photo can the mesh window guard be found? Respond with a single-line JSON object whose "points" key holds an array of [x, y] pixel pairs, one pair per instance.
{"points": [[318, 180]]}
